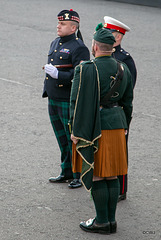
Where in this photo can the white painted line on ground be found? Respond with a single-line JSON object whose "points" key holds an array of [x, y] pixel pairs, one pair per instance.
{"points": [[11, 81]]}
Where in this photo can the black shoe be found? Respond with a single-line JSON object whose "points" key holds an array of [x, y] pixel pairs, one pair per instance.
{"points": [[60, 179], [122, 197], [113, 227], [76, 183], [93, 227]]}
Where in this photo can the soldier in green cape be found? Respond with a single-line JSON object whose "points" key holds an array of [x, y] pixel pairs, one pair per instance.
{"points": [[99, 128]]}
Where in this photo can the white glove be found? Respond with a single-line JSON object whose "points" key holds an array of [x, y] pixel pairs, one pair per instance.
{"points": [[51, 70]]}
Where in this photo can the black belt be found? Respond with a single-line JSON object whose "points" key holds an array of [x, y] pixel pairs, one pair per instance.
{"points": [[110, 105]]}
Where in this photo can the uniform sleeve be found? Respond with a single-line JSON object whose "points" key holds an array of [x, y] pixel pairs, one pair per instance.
{"points": [[80, 54], [131, 65], [65, 77], [74, 91], [126, 101]]}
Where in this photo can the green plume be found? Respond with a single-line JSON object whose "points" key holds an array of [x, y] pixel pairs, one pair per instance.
{"points": [[99, 26]]}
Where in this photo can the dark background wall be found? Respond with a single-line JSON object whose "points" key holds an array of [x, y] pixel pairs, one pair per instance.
{"points": [[152, 3]]}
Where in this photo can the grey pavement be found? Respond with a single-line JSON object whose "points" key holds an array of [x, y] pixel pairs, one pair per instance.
{"points": [[30, 207]]}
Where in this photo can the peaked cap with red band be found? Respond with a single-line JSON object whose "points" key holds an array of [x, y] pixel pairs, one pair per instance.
{"points": [[68, 15], [115, 25]]}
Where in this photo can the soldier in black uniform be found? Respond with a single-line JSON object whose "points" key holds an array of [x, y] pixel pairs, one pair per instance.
{"points": [[119, 29], [66, 52]]}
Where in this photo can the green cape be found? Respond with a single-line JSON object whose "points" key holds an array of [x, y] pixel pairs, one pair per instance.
{"points": [[86, 124]]}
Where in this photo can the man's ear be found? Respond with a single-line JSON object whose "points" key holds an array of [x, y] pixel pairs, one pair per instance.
{"points": [[96, 47], [119, 37], [74, 28]]}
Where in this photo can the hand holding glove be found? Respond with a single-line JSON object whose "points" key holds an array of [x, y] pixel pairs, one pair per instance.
{"points": [[51, 70]]}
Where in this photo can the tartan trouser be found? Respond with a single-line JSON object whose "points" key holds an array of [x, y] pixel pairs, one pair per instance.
{"points": [[59, 117]]}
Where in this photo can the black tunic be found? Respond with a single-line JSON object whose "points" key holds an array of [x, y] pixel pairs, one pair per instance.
{"points": [[64, 50], [123, 56]]}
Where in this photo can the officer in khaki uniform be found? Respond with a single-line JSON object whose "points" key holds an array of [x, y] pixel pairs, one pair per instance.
{"points": [[118, 30], [66, 52]]}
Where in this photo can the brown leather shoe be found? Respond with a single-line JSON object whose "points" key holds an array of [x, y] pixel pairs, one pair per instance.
{"points": [[92, 226]]}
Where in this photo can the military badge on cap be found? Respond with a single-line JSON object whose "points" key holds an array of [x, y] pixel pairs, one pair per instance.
{"points": [[68, 15], [115, 25]]}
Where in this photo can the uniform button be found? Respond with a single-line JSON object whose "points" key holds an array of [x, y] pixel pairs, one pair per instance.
{"points": [[55, 50], [76, 38], [114, 49], [61, 85], [46, 78], [60, 43], [52, 60], [121, 50], [127, 54], [61, 57]]}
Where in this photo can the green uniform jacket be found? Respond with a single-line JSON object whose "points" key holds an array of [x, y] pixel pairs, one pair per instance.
{"points": [[92, 80], [111, 118]]}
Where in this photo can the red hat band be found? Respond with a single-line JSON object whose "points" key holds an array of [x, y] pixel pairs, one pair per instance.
{"points": [[110, 26]]}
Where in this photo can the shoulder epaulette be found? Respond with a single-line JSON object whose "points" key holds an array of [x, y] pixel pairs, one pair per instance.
{"points": [[124, 52]]}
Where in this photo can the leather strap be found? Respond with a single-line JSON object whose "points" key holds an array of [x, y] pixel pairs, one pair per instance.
{"points": [[117, 80]]}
